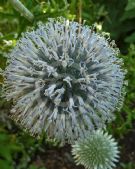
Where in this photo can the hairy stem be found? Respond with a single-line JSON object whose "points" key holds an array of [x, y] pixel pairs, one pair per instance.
{"points": [[22, 9]]}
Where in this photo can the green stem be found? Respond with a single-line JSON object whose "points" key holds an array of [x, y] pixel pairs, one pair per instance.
{"points": [[22, 9], [80, 11]]}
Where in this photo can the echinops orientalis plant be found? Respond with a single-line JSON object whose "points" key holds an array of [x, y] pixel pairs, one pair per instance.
{"points": [[97, 151], [64, 80]]}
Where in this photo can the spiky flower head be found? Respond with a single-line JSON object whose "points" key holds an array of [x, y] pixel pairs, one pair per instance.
{"points": [[64, 79], [97, 151]]}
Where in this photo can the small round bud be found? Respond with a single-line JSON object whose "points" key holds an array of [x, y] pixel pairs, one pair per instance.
{"points": [[97, 151]]}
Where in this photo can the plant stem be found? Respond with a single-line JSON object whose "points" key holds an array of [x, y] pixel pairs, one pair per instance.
{"points": [[22, 9], [80, 11]]}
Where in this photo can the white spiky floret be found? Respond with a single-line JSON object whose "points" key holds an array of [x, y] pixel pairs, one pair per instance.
{"points": [[97, 150], [64, 79]]}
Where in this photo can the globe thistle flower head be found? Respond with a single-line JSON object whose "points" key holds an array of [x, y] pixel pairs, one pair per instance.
{"points": [[97, 151], [64, 79]]}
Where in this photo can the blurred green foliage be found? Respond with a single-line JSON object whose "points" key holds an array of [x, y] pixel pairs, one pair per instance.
{"points": [[17, 149]]}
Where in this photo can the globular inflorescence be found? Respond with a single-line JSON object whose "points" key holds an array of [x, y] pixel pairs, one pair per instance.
{"points": [[97, 151], [64, 80]]}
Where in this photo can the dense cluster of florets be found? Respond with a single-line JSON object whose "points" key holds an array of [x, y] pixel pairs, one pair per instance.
{"points": [[64, 79]]}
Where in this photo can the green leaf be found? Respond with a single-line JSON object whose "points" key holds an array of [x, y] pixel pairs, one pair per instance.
{"points": [[130, 5], [5, 153], [128, 15], [4, 15], [131, 38], [5, 165]]}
